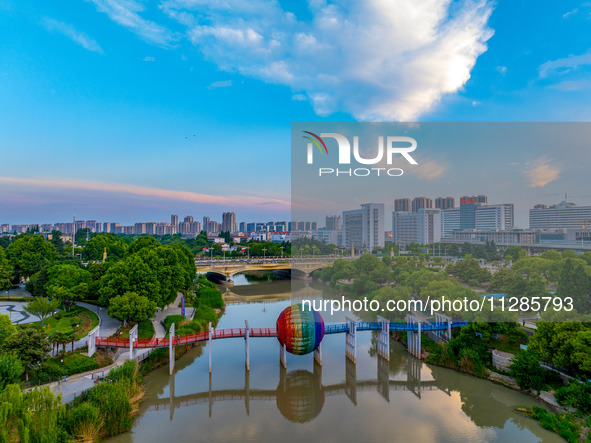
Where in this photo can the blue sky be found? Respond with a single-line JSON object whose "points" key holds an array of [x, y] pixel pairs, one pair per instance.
{"points": [[130, 110]]}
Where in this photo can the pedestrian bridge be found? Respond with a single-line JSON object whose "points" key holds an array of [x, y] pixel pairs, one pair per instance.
{"points": [[227, 268]]}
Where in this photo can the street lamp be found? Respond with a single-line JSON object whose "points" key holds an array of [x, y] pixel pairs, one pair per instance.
{"points": [[264, 254], [282, 248]]}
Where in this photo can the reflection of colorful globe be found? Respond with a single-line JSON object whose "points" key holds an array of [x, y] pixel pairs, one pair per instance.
{"points": [[300, 331], [300, 396]]}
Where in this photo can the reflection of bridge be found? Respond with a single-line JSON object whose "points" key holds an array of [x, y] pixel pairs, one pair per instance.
{"points": [[300, 394], [227, 268]]}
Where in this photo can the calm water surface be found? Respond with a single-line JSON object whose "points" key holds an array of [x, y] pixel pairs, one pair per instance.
{"points": [[401, 400]]}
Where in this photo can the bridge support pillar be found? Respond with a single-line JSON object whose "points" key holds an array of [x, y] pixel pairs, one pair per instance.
{"points": [[209, 343], [414, 337], [283, 356], [384, 338], [92, 335], [318, 354], [171, 334], [132, 340], [246, 347], [351, 341], [440, 318]]}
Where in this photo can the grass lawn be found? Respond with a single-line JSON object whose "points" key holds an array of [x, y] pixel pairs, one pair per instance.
{"points": [[79, 319], [145, 329], [502, 344]]}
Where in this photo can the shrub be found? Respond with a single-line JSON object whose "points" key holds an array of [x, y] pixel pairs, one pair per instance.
{"points": [[577, 395], [145, 329], [527, 371], [210, 297], [83, 422], [114, 406], [170, 319], [557, 423]]}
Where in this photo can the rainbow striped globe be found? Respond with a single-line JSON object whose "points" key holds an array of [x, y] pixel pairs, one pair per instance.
{"points": [[300, 331]]}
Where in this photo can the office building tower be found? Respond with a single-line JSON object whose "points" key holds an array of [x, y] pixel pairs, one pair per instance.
{"points": [[333, 223]]}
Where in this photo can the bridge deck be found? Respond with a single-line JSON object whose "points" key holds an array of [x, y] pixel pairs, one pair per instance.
{"points": [[329, 328]]}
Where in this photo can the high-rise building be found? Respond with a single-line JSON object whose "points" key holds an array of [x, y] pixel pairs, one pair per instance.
{"points": [[563, 215], [421, 203], [333, 223], [422, 227], [450, 221], [352, 222], [494, 217], [468, 207], [206, 224], [189, 219], [229, 222], [174, 220], [373, 226], [139, 228], [402, 205], [445, 203]]}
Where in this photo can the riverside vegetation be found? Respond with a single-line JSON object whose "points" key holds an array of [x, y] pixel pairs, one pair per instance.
{"points": [[136, 277], [565, 345]]}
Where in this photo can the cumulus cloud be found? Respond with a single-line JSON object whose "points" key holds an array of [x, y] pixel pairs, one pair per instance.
{"points": [[540, 172], [126, 13], [376, 59], [78, 37]]}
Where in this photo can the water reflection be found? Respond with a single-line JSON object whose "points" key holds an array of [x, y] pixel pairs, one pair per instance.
{"points": [[402, 399]]}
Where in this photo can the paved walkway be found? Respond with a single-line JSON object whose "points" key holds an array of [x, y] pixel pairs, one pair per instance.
{"points": [[171, 309]]}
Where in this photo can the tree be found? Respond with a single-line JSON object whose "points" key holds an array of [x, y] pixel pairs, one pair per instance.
{"points": [[29, 253], [30, 345], [42, 307], [574, 282], [581, 356], [67, 283], [11, 369], [6, 328], [5, 272], [527, 371], [95, 248], [501, 280], [131, 307]]}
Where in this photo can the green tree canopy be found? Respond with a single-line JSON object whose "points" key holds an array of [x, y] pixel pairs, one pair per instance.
{"points": [[42, 307], [6, 328], [31, 346], [67, 283], [94, 249], [11, 369], [131, 307], [29, 253], [527, 371]]}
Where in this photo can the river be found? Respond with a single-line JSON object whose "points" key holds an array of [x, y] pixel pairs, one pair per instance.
{"points": [[374, 400]]}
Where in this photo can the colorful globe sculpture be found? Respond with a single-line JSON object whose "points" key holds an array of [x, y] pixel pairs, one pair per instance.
{"points": [[300, 331]]}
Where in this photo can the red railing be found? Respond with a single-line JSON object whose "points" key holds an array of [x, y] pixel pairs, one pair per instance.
{"points": [[185, 339]]}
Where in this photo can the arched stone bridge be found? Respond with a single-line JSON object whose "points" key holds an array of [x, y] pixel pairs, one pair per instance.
{"points": [[228, 268]]}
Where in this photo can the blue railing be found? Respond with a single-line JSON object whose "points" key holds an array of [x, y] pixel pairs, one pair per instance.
{"points": [[339, 328]]}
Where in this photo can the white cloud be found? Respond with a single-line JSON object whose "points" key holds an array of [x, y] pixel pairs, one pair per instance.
{"points": [[430, 169], [569, 13], [78, 37], [299, 97], [540, 172], [502, 70], [376, 59], [126, 13], [149, 58], [565, 64], [221, 84]]}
